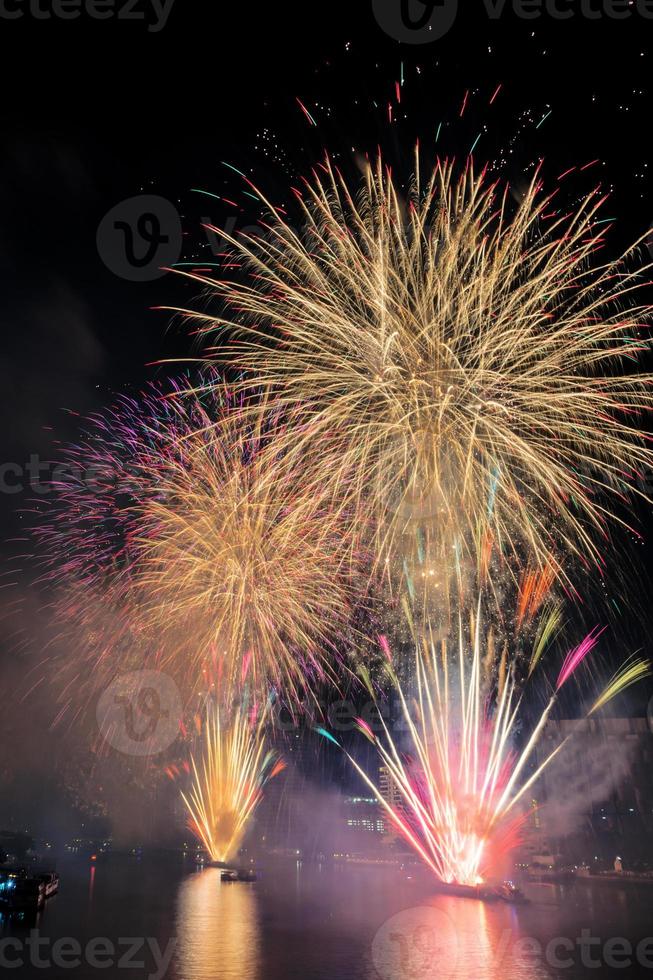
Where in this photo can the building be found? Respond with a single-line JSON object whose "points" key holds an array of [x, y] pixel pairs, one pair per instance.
{"points": [[389, 790], [363, 828], [363, 814], [393, 796]]}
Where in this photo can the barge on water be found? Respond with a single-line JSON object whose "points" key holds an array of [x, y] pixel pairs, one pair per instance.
{"points": [[507, 891], [22, 892], [231, 874]]}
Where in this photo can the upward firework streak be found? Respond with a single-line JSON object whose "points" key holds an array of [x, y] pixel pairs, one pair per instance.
{"points": [[466, 353], [459, 779], [228, 782]]}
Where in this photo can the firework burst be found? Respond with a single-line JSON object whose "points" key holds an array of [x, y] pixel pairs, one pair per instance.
{"points": [[227, 782], [459, 779], [178, 540], [467, 354], [84, 531], [240, 566]]}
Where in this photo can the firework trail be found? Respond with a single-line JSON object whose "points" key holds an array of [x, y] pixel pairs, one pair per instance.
{"points": [[468, 357], [227, 782], [460, 779]]}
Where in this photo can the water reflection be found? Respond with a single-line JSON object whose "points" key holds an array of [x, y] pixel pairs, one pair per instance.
{"points": [[217, 929], [336, 923], [446, 938], [491, 943]]}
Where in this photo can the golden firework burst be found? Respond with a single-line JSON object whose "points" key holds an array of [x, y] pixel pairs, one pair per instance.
{"points": [[239, 565], [466, 354]]}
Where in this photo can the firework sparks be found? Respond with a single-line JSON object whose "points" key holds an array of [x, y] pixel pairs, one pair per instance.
{"points": [[462, 350], [228, 781], [427, 380], [84, 534], [191, 550], [460, 779], [87, 521], [244, 559]]}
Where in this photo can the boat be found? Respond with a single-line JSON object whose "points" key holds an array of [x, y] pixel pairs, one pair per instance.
{"points": [[51, 881], [507, 891], [22, 894], [7, 887], [460, 891], [247, 875], [244, 874], [20, 891]]}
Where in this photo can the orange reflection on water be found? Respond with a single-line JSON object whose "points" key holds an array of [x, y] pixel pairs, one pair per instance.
{"points": [[447, 938], [489, 940], [217, 929]]}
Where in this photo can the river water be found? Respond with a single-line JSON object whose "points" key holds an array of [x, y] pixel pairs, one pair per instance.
{"points": [[163, 918]]}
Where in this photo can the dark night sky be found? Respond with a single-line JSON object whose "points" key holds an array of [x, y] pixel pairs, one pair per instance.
{"points": [[94, 112]]}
